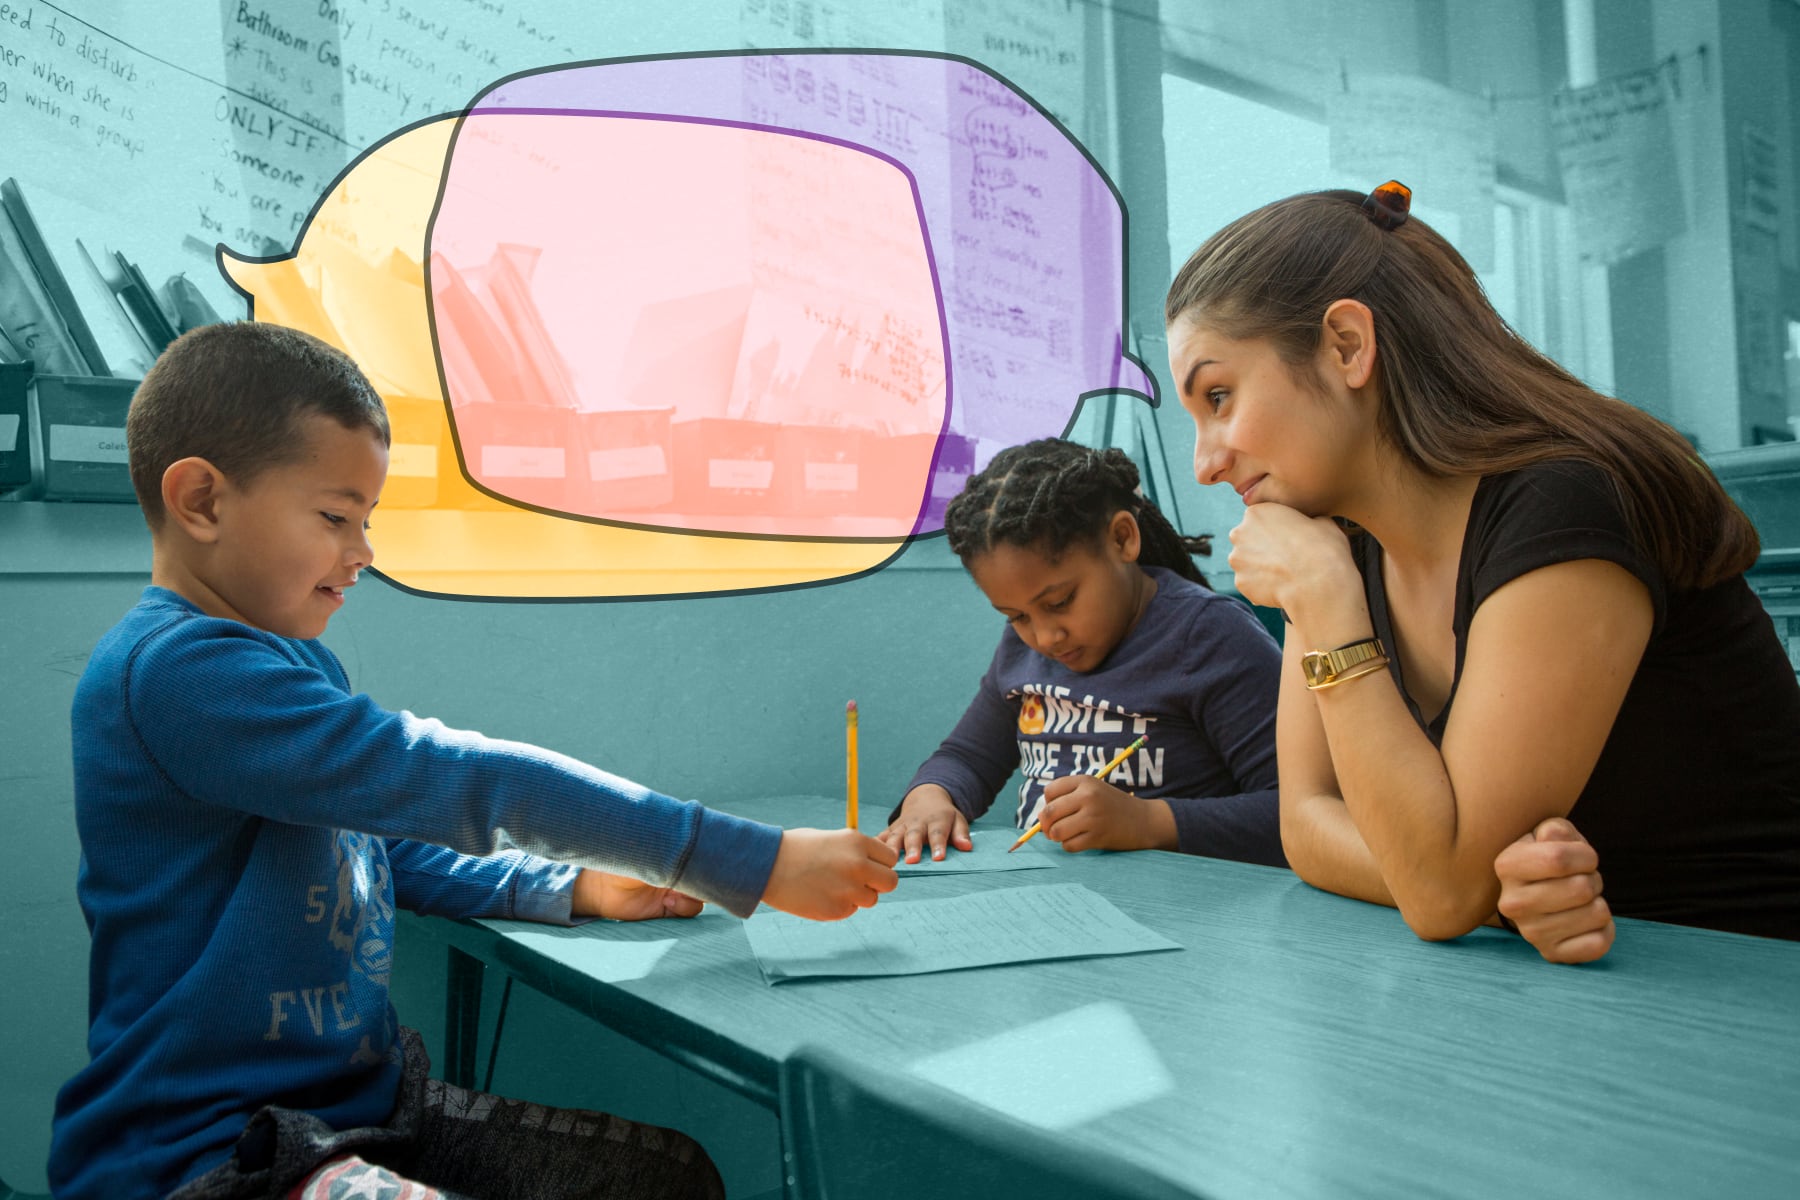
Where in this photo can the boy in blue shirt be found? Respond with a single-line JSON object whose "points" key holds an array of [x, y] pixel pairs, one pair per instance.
{"points": [[248, 824]]}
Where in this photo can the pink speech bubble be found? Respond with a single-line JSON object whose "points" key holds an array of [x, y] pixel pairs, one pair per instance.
{"points": [[688, 325]]}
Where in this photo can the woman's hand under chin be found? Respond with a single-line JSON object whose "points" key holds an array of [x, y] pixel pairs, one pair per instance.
{"points": [[1281, 557]]}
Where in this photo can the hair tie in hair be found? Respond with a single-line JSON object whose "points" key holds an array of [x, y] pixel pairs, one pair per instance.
{"points": [[1389, 204]]}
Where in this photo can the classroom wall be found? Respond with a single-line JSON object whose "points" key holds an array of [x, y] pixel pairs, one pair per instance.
{"points": [[163, 130]]}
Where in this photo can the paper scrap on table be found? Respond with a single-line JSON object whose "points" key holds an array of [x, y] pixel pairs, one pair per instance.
{"points": [[916, 937], [989, 854]]}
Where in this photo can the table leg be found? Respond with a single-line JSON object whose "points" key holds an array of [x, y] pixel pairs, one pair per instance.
{"points": [[462, 1017]]}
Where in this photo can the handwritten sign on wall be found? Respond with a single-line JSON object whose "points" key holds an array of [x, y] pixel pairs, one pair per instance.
{"points": [[1617, 153]]}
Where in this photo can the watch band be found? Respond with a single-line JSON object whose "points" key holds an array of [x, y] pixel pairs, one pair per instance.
{"points": [[1324, 668], [1373, 666]]}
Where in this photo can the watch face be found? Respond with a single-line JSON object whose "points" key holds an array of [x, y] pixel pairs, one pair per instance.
{"points": [[1316, 666]]}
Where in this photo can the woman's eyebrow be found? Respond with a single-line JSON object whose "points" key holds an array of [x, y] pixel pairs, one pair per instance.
{"points": [[1188, 383]]}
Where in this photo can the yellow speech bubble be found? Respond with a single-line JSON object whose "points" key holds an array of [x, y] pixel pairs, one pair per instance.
{"points": [[356, 280]]}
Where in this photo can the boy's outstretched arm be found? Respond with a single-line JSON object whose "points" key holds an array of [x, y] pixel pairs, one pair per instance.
{"points": [[827, 874], [622, 898], [304, 750], [824, 874], [438, 881]]}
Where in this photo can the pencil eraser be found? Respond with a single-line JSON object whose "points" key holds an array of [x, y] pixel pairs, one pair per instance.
{"points": [[850, 707]]}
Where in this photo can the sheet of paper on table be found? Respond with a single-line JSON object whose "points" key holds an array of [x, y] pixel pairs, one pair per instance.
{"points": [[989, 854], [916, 937]]}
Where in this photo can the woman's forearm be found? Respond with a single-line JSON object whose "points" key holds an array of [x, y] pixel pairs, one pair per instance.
{"points": [[1403, 806], [1397, 797], [1324, 848]]}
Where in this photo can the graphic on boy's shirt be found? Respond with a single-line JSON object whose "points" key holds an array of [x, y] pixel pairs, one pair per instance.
{"points": [[1065, 734], [361, 923], [356, 914], [832, 285]]}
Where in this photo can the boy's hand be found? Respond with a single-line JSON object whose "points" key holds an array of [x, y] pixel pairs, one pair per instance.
{"points": [[928, 819], [1087, 813], [1550, 889], [827, 874], [622, 898]]}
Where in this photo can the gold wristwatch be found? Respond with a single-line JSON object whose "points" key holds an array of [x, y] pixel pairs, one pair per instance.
{"points": [[1324, 668]]}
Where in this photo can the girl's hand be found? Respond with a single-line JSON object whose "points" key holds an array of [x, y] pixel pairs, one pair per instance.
{"points": [[1280, 554], [1550, 889], [622, 898], [928, 818], [1086, 813]]}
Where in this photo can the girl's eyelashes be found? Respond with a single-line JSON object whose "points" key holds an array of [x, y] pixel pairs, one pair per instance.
{"points": [[337, 520], [1054, 606], [1216, 398]]}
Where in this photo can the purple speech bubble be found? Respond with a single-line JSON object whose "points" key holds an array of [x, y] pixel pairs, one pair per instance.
{"points": [[1026, 233]]}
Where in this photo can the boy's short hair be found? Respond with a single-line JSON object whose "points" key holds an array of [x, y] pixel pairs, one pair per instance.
{"points": [[234, 394]]}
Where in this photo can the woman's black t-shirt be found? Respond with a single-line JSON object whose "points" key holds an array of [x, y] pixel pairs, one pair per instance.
{"points": [[1694, 804]]}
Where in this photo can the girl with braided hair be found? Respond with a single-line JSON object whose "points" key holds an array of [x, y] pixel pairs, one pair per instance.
{"points": [[1111, 634], [1532, 653]]}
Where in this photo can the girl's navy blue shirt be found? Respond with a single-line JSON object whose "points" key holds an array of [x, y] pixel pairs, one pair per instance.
{"points": [[1198, 674]]}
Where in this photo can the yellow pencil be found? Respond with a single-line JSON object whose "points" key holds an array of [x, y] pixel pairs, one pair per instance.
{"points": [[850, 765], [1103, 772]]}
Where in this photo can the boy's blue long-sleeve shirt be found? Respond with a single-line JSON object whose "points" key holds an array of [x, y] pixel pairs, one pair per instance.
{"points": [[1198, 674], [247, 826]]}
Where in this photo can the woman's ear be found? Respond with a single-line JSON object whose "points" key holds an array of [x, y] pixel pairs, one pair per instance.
{"points": [[190, 494], [1347, 343]]}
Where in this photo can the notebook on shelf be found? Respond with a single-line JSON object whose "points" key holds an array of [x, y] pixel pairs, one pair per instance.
{"points": [[31, 320], [145, 309], [51, 277], [126, 350]]}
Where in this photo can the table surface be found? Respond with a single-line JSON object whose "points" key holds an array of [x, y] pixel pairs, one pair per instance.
{"points": [[1299, 1044]]}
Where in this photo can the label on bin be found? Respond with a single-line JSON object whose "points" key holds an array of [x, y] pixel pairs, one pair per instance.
{"points": [[739, 472], [627, 462], [88, 443], [830, 477], [522, 462], [412, 459], [9, 432]]}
